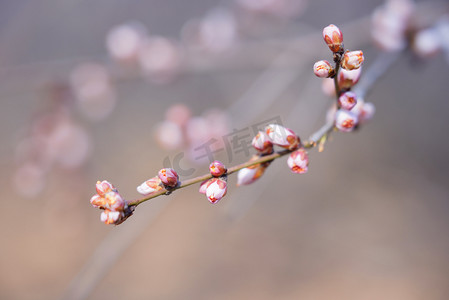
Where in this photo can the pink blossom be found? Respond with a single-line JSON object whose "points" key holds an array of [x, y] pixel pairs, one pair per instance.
{"points": [[298, 161], [216, 189], [168, 176], [281, 136]]}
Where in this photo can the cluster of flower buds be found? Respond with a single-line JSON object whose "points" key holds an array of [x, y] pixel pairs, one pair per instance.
{"points": [[215, 188], [263, 142], [350, 61], [115, 208], [344, 115], [347, 120]]}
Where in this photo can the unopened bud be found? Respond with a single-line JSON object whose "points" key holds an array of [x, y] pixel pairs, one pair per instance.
{"points": [[217, 168], [323, 69], [150, 186], [104, 187], [367, 113], [364, 111], [352, 60], [216, 189], [261, 142], [249, 175], [281, 136], [169, 177], [347, 79], [347, 100], [298, 161], [345, 120], [333, 38]]}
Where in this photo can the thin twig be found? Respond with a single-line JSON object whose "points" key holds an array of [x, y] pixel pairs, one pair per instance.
{"points": [[262, 159]]}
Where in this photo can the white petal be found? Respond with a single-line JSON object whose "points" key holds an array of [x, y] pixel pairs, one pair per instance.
{"points": [[103, 216], [245, 176], [144, 189]]}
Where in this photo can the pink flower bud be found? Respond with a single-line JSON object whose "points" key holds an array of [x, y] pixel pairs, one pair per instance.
{"points": [[323, 69], [347, 100], [216, 189], [364, 111], [249, 175], [281, 136], [169, 177], [261, 142], [345, 120], [333, 38], [358, 107], [217, 168], [114, 201], [367, 113], [150, 186], [347, 79], [98, 201], [298, 161], [352, 60], [104, 187], [112, 217], [203, 187], [246, 176]]}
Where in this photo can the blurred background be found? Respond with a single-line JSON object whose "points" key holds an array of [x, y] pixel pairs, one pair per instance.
{"points": [[116, 90]]}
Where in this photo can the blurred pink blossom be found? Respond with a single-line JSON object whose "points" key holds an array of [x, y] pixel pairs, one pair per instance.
{"points": [[160, 59], [124, 42], [93, 90]]}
